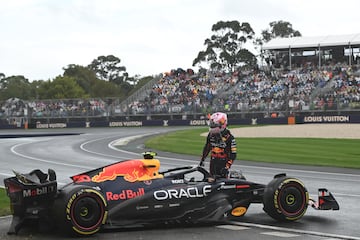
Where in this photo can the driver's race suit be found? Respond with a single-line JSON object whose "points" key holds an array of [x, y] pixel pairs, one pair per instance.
{"points": [[223, 152]]}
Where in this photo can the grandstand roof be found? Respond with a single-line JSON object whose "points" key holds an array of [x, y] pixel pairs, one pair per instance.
{"points": [[311, 42]]}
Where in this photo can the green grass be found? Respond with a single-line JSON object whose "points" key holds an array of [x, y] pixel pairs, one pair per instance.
{"points": [[304, 151], [4, 203]]}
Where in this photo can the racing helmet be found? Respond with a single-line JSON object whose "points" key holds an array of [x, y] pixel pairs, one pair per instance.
{"points": [[218, 122]]}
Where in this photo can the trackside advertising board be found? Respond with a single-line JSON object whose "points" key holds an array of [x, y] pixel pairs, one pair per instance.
{"points": [[199, 122]]}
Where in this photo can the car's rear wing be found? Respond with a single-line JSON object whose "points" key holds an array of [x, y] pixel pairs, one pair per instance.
{"points": [[30, 195]]}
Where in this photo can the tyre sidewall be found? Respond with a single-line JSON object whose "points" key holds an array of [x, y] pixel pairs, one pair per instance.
{"points": [[69, 220], [286, 199]]}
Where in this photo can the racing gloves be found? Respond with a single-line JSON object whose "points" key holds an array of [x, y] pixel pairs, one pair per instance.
{"points": [[229, 163]]}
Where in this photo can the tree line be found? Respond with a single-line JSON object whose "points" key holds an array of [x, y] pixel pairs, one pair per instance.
{"points": [[105, 77]]}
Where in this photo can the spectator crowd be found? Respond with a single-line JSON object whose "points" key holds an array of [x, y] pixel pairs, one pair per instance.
{"points": [[184, 91], [302, 89]]}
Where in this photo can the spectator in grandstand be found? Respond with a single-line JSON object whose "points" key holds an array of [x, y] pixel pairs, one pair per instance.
{"points": [[222, 145]]}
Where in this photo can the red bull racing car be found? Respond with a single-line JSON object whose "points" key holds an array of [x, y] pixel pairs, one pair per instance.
{"points": [[135, 193]]}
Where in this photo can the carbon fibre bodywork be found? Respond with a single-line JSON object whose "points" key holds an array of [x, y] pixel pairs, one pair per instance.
{"points": [[135, 193]]}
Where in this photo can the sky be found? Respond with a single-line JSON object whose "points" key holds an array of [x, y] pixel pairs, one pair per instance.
{"points": [[39, 38]]}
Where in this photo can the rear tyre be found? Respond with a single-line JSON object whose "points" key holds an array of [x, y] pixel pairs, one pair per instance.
{"points": [[81, 211], [285, 199]]}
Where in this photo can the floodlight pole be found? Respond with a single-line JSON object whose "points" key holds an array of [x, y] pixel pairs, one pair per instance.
{"points": [[350, 54], [319, 56], [289, 57]]}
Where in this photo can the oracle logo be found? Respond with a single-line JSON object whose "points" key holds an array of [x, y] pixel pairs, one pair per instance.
{"points": [[191, 192]]}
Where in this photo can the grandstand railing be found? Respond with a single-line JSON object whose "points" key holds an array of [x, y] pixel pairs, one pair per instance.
{"points": [[78, 109], [337, 96]]}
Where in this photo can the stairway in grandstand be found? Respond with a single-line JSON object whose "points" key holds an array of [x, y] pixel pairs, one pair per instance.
{"points": [[142, 92], [324, 89]]}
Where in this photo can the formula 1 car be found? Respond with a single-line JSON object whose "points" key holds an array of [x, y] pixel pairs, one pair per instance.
{"points": [[135, 193]]}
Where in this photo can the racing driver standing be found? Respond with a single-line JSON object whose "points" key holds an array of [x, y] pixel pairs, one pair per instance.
{"points": [[222, 145]]}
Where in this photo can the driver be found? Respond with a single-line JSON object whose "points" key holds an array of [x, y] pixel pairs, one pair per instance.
{"points": [[222, 145]]}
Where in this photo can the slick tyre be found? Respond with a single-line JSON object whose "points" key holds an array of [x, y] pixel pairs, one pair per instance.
{"points": [[81, 211], [285, 199]]}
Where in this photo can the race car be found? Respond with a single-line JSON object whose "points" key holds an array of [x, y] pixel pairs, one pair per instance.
{"points": [[134, 193]]}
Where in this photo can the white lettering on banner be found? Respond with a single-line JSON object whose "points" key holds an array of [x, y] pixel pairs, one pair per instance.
{"points": [[51, 125], [313, 119], [165, 123], [197, 122], [326, 119], [191, 192], [126, 124]]}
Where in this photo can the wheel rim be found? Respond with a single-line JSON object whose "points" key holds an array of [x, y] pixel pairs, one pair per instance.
{"points": [[292, 200], [87, 213]]}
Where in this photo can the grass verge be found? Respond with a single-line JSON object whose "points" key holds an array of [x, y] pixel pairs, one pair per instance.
{"points": [[304, 151], [4, 203]]}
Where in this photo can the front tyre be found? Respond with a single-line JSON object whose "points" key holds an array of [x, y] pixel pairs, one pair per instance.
{"points": [[285, 199], [84, 211]]}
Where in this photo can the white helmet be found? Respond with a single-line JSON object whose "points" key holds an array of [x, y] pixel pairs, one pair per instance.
{"points": [[218, 122]]}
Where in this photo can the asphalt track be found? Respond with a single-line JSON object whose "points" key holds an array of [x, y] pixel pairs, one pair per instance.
{"points": [[83, 149]]}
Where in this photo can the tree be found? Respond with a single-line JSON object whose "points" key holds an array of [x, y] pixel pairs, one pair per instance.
{"points": [[34, 88], [84, 76], [105, 89], [280, 29], [224, 49], [61, 88], [14, 86], [95, 87], [108, 68]]}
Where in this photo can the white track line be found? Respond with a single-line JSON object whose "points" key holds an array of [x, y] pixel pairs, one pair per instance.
{"points": [[314, 233]]}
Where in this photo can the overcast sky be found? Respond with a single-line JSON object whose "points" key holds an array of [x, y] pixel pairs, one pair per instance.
{"points": [[41, 37]]}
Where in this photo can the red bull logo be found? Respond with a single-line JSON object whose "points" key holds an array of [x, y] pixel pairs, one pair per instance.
{"points": [[217, 150], [132, 171], [124, 194]]}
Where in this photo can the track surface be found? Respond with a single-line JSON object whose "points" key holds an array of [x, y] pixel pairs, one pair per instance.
{"points": [[91, 148]]}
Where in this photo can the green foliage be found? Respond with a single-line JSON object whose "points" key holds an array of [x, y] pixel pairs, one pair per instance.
{"points": [[60, 88], [280, 29], [283, 29], [105, 89], [108, 68], [143, 81], [224, 49], [85, 77], [76, 82], [94, 87], [304, 151], [14, 87]]}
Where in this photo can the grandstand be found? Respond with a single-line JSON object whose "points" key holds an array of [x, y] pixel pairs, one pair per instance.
{"points": [[306, 76], [320, 50]]}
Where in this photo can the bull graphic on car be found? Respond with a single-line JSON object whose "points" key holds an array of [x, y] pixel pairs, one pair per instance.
{"points": [[135, 192]]}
